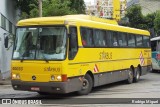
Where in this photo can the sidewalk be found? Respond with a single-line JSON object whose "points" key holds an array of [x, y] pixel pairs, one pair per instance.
{"points": [[5, 81]]}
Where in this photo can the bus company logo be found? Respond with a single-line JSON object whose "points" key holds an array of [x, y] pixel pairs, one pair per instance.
{"points": [[33, 77], [141, 58], [6, 101], [96, 68]]}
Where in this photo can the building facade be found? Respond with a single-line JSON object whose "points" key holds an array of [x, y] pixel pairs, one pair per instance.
{"points": [[110, 9], [8, 19], [148, 6]]}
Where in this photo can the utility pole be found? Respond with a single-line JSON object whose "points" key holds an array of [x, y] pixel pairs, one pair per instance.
{"points": [[40, 8]]}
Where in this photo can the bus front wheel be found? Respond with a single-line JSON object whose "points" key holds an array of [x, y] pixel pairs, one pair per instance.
{"points": [[86, 85]]}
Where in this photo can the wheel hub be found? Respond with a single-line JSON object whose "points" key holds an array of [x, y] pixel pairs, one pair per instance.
{"points": [[85, 84]]}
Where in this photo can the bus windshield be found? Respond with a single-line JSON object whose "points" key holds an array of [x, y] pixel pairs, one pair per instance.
{"points": [[155, 44], [41, 43]]}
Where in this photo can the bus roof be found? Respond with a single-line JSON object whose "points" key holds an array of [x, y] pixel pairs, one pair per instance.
{"points": [[155, 38], [85, 20], [61, 20]]}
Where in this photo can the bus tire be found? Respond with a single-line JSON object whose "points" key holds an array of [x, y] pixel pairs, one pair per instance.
{"points": [[130, 76], [86, 86], [137, 75]]}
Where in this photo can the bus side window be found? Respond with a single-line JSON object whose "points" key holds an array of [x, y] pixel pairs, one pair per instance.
{"points": [[146, 41], [153, 45], [86, 36], [73, 43], [158, 46], [114, 39], [109, 38]]}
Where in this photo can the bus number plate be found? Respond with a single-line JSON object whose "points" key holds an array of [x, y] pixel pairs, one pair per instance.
{"points": [[35, 88]]}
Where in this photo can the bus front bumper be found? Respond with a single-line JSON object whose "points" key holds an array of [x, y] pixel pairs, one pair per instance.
{"points": [[49, 87]]}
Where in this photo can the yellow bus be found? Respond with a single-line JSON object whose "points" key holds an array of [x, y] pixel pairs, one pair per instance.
{"points": [[75, 53]]}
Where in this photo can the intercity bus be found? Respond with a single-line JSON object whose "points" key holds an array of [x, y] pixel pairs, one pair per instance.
{"points": [[75, 53], [155, 46]]}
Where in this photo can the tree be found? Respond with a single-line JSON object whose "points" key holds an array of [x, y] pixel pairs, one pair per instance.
{"points": [[157, 23], [135, 16], [149, 20], [27, 7], [57, 8], [78, 5]]}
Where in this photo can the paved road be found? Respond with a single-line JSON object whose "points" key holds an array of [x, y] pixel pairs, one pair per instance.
{"points": [[147, 87]]}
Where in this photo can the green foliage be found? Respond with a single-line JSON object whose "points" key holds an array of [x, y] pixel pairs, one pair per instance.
{"points": [[78, 5], [29, 8], [26, 6], [148, 22], [135, 16], [56, 8], [157, 22]]}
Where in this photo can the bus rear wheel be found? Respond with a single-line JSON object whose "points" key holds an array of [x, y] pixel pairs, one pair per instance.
{"points": [[130, 76], [137, 76], [86, 85]]}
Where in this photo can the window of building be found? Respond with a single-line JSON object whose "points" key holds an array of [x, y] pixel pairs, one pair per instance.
{"points": [[3, 22], [10, 27], [7, 25], [0, 20]]}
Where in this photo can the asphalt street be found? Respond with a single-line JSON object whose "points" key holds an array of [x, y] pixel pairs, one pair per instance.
{"points": [[115, 94]]}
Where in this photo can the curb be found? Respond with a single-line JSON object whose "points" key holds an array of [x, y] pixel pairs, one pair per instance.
{"points": [[5, 82]]}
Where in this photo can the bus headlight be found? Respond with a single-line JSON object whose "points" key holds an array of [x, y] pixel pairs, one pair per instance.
{"points": [[15, 76], [52, 77], [59, 77]]}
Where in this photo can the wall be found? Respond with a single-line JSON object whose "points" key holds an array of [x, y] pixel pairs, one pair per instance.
{"points": [[9, 14]]}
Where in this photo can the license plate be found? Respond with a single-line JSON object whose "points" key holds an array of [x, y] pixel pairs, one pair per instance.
{"points": [[35, 88]]}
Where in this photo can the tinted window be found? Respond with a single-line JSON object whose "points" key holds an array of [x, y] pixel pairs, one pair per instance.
{"points": [[86, 35], [99, 38], [139, 40], [122, 39], [131, 40], [73, 43], [146, 41], [114, 39], [3, 22], [109, 38]]}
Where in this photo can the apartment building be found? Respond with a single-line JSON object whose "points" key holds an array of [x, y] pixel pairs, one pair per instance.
{"points": [[148, 6], [8, 19]]}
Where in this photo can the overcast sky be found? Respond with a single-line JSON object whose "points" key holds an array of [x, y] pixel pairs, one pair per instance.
{"points": [[92, 1]]}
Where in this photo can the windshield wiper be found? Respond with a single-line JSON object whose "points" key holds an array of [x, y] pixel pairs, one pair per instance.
{"points": [[22, 57], [45, 58]]}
